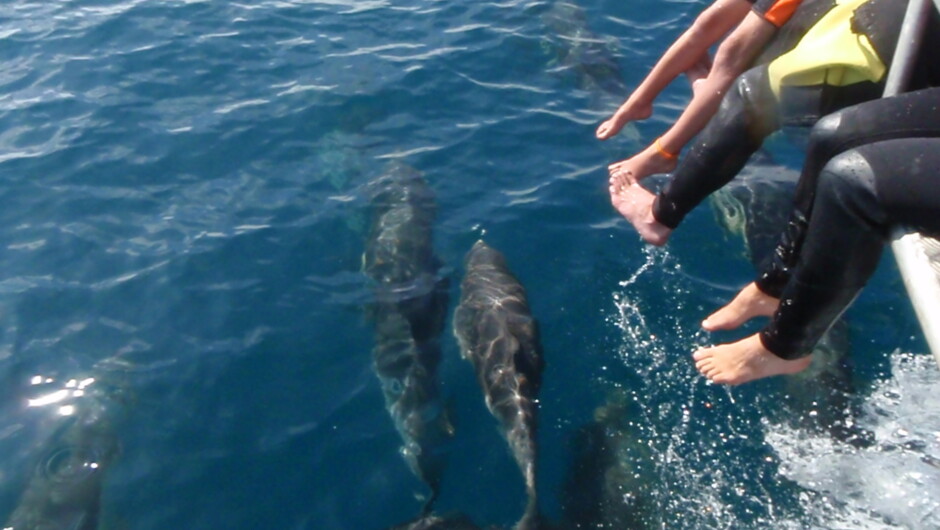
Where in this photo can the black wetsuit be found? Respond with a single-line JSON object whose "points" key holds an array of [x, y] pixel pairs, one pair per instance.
{"points": [[869, 168], [750, 112]]}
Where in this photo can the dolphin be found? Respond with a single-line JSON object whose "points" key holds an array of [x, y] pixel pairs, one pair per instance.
{"points": [[498, 335], [580, 50], [64, 490], [399, 258], [756, 207], [611, 481], [408, 312]]}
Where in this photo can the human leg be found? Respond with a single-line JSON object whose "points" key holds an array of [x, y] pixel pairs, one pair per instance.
{"points": [[747, 115], [911, 114], [743, 361], [798, 105], [861, 195], [688, 54], [734, 55]]}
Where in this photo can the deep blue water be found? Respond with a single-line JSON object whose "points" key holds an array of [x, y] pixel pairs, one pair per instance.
{"points": [[184, 215]]}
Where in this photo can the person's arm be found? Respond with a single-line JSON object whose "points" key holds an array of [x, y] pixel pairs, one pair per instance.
{"points": [[690, 49], [733, 56]]}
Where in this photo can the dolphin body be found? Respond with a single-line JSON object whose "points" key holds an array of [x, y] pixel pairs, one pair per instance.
{"points": [[408, 312], [611, 482], [756, 207], [580, 50], [498, 335], [64, 491]]}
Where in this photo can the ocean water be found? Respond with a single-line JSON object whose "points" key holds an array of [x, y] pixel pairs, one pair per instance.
{"points": [[185, 209]]}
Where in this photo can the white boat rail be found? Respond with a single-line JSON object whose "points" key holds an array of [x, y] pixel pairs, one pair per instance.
{"points": [[917, 256]]}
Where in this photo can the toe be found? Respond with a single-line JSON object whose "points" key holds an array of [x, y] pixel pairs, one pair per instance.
{"points": [[720, 379], [703, 366]]}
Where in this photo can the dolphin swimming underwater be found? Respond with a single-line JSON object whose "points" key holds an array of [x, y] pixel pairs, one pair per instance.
{"points": [[408, 313], [498, 335], [64, 491], [577, 49], [399, 258], [612, 478]]}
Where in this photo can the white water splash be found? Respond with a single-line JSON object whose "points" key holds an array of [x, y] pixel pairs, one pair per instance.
{"points": [[895, 483], [654, 331]]}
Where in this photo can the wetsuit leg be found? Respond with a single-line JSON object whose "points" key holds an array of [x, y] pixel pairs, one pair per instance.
{"points": [[747, 115], [912, 114], [861, 195]]}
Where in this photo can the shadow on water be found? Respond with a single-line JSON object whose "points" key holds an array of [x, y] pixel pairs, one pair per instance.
{"points": [[203, 213]]}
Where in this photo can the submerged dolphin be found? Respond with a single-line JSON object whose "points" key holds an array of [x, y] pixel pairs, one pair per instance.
{"points": [[499, 336], [579, 50], [611, 480], [755, 208], [64, 491], [408, 314]]}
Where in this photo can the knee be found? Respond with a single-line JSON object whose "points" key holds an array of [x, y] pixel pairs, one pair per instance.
{"points": [[733, 100], [846, 171], [847, 181], [751, 97], [736, 99], [824, 137]]}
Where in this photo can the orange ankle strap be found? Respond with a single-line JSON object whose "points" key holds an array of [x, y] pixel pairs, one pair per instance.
{"points": [[663, 153]]}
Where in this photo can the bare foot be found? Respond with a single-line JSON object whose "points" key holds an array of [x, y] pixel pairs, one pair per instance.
{"points": [[750, 302], [743, 361], [627, 112], [641, 165], [636, 204]]}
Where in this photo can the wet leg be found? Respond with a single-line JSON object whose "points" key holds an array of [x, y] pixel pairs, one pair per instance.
{"points": [[747, 115]]}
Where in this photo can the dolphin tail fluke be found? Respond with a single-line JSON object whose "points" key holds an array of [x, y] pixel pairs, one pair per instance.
{"points": [[428, 506], [532, 518]]}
